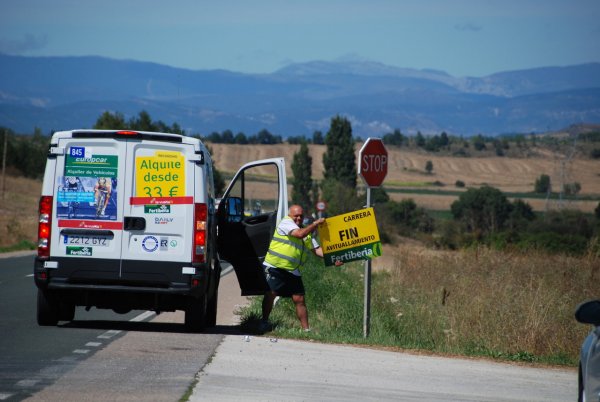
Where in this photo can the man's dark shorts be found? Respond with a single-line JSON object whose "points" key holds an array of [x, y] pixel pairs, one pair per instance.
{"points": [[283, 282]]}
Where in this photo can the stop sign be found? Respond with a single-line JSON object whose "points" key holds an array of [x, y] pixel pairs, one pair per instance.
{"points": [[373, 162]]}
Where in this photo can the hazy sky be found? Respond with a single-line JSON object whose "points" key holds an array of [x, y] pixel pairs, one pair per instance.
{"points": [[461, 37]]}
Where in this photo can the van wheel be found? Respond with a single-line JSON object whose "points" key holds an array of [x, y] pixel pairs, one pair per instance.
{"points": [[211, 310], [66, 311], [195, 314], [47, 309]]}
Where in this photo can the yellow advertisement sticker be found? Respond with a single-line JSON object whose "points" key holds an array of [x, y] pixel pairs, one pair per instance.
{"points": [[160, 175], [349, 237]]}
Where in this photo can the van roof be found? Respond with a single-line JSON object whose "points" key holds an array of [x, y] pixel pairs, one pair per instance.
{"points": [[129, 134]]}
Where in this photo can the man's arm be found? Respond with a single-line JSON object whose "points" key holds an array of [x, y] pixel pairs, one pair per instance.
{"points": [[301, 233]]}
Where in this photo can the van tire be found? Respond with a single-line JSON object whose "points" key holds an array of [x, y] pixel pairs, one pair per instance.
{"points": [[211, 310], [66, 311], [195, 314], [47, 309]]}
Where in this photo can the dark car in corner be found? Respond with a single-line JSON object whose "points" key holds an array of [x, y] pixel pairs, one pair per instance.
{"points": [[589, 363]]}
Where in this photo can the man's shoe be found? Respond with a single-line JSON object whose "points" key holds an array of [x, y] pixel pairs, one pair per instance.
{"points": [[264, 326]]}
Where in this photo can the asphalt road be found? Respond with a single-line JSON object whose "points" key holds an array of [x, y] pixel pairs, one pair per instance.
{"points": [[89, 358], [31, 357], [104, 357]]}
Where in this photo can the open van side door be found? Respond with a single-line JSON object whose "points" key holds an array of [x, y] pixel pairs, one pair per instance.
{"points": [[252, 206]]}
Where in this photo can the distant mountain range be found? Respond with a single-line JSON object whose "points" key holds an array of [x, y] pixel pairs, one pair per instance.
{"points": [[56, 93]]}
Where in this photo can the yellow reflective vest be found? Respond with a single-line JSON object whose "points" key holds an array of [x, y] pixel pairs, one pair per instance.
{"points": [[288, 252]]}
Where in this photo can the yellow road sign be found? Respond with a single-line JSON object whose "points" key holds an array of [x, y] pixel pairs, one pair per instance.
{"points": [[349, 237]]}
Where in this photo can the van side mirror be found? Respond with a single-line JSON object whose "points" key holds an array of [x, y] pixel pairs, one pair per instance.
{"points": [[588, 312], [235, 210]]}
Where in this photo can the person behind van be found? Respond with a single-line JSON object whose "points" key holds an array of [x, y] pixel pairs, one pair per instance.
{"points": [[103, 186], [288, 252]]}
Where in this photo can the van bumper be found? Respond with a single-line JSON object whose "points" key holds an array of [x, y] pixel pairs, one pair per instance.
{"points": [[107, 283]]}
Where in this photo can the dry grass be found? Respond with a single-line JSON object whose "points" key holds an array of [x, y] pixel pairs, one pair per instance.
{"points": [[487, 302], [18, 210]]}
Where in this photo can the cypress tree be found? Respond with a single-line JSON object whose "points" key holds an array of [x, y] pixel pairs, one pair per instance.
{"points": [[339, 160], [302, 182]]}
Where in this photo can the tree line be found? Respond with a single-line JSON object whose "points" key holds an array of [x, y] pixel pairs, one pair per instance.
{"points": [[479, 216]]}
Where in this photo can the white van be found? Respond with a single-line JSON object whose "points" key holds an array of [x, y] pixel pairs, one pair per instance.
{"points": [[128, 220]]}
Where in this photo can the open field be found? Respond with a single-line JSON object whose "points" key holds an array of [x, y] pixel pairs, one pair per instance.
{"points": [[407, 170], [18, 210]]}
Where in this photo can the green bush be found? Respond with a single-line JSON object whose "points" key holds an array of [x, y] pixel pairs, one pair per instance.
{"points": [[556, 243]]}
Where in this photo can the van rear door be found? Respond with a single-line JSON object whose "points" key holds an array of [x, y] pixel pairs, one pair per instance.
{"points": [[159, 198], [89, 199], [252, 206]]}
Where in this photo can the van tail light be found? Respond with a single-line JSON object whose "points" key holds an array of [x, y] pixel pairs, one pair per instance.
{"points": [[44, 226], [200, 224]]}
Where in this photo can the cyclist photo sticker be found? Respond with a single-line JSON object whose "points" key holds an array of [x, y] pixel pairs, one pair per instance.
{"points": [[88, 189]]}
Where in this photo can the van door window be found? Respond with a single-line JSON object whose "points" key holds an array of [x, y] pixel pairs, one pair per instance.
{"points": [[247, 217]]}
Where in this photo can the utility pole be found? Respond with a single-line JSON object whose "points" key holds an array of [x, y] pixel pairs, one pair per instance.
{"points": [[4, 162]]}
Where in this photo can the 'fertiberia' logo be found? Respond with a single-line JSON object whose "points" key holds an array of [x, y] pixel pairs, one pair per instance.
{"points": [[157, 209], [79, 251]]}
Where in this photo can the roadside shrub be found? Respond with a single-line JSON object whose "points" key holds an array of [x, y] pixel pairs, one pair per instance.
{"points": [[542, 184], [484, 210], [450, 235], [556, 243], [571, 188], [403, 218], [565, 222], [459, 183]]}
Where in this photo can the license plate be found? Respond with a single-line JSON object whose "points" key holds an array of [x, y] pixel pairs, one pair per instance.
{"points": [[96, 241]]}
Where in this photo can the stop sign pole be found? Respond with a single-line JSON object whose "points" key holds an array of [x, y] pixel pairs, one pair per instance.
{"points": [[372, 167]]}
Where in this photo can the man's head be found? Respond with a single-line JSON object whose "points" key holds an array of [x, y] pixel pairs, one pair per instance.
{"points": [[297, 214], [102, 181]]}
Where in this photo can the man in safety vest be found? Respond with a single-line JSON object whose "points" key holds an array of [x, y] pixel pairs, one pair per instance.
{"points": [[287, 253]]}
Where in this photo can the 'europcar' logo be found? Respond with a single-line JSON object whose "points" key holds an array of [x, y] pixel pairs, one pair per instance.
{"points": [[150, 244]]}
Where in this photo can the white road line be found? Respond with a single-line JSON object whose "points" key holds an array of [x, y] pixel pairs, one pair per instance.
{"points": [[109, 334], [93, 344], [81, 351], [4, 397], [27, 383], [142, 316], [67, 359], [28, 276]]}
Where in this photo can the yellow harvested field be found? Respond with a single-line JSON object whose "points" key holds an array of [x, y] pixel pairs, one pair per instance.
{"points": [[19, 210], [406, 169]]}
